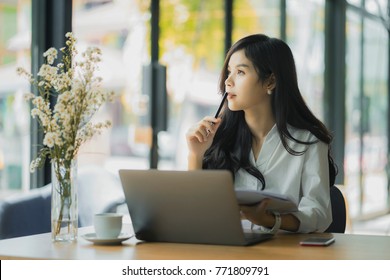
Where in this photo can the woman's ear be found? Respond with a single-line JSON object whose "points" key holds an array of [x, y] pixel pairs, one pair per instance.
{"points": [[271, 82]]}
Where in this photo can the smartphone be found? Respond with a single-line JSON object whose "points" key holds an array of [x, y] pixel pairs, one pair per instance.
{"points": [[317, 241]]}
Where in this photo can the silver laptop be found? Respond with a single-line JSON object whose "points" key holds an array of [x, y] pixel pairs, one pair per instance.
{"points": [[185, 207]]}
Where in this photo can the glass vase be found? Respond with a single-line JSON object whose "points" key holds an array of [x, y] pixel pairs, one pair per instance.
{"points": [[64, 208]]}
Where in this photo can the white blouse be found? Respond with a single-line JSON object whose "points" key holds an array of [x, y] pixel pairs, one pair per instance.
{"points": [[305, 178]]}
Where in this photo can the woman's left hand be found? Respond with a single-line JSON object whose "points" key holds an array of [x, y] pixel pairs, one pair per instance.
{"points": [[257, 214]]}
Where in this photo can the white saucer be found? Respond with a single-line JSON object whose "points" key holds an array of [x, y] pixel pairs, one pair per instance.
{"points": [[111, 241]]}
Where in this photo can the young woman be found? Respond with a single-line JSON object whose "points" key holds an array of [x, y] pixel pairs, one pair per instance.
{"points": [[268, 137]]}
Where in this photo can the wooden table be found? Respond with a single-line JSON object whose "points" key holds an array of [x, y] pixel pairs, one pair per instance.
{"points": [[284, 246]]}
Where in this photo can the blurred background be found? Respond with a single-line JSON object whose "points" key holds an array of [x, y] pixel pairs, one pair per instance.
{"points": [[167, 55]]}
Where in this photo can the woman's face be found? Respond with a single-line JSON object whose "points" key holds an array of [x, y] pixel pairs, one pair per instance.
{"points": [[244, 87]]}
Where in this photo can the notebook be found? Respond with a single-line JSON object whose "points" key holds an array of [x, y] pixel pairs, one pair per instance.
{"points": [[197, 206]]}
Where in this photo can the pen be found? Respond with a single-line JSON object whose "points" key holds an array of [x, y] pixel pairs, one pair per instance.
{"points": [[221, 105]]}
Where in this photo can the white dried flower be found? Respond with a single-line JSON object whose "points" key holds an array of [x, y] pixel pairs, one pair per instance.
{"points": [[49, 139], [79, 96], [28, 96], [34, 164], [51, 55], [35, 112]]}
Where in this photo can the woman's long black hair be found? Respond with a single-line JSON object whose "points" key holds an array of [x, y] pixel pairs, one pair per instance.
{"points": [[233, 141]]}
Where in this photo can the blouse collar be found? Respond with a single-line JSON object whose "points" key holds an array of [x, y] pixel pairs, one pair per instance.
{"points": [[271, 141]]}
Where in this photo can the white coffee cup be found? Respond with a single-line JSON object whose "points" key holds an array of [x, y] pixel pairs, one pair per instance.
{"points": [[107, 225]]}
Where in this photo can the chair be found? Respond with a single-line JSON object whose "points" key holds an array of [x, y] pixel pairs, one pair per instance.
{"points": [[339, 212], [25, 213]]}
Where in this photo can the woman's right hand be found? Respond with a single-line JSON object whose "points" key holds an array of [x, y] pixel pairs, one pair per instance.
{"points": [[200, 136]]}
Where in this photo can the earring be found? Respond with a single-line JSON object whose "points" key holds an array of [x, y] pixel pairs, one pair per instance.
{"points": [[269, 92]]}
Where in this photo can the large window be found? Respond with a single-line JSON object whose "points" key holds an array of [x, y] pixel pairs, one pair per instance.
{"points": [[192, 64], [366, 120], [192, 46], [14, 116], [250, 17], [305, 36], [121, 30]]}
